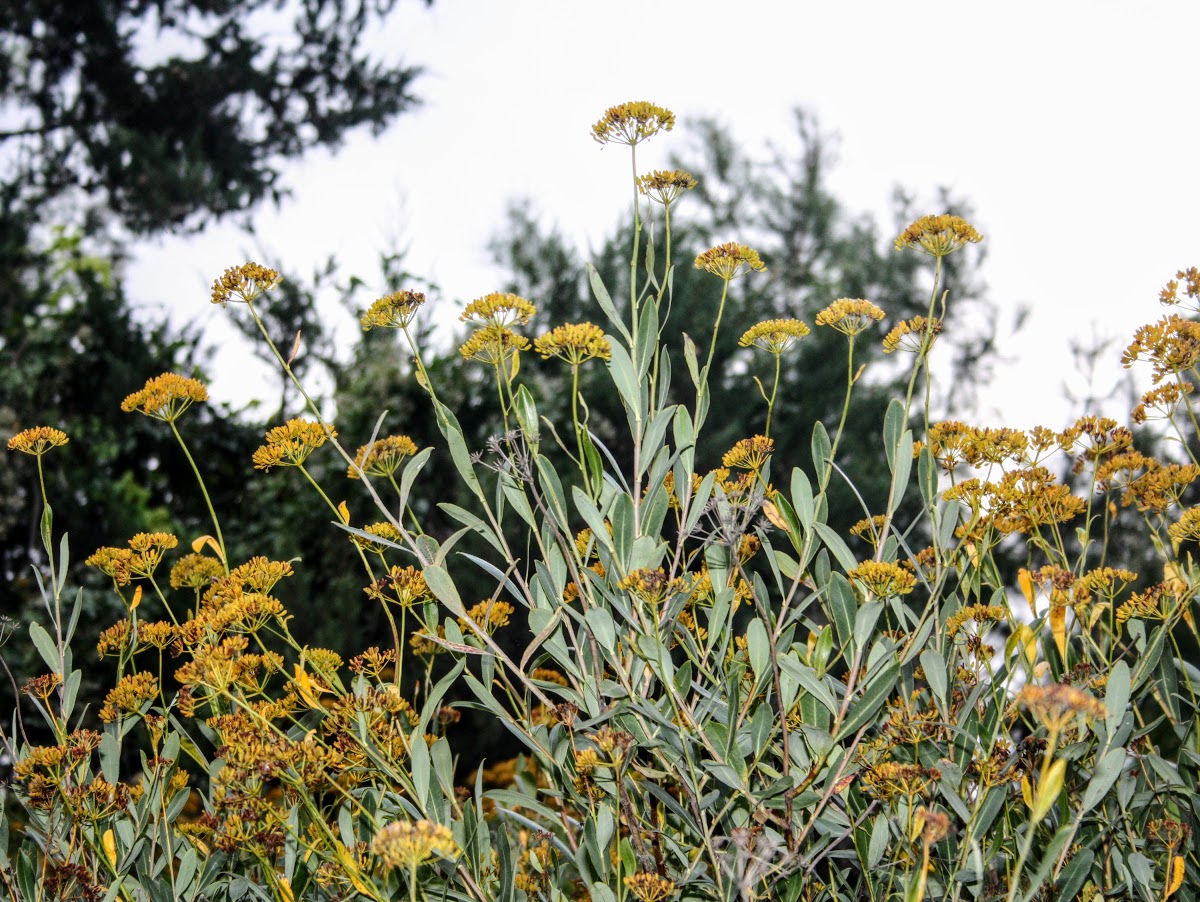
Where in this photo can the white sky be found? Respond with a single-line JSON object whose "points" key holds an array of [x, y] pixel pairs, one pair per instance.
{"points": [[1071, 127]]}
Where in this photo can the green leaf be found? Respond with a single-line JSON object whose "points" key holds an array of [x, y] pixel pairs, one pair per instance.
{"points": [[894, 422], [843, 607], [45, 646], [647, 338], [625, 379], [693, 365], [443, 588], [605, 301], [837, 547], [934, 666], [874, 694], [448, 424], [759, 647], [601, 624], [802, 498], [821, 447], [1116, 697], [527, 415], [809, 681], [1105, 775], [880, 833], [902, 470]]}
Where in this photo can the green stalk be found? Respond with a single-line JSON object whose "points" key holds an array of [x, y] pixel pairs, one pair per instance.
{"points": [[204, 491], [771, 402], [837, 437]]}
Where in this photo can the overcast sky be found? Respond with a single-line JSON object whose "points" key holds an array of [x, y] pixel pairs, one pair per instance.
{"points": [[1071, 127]]}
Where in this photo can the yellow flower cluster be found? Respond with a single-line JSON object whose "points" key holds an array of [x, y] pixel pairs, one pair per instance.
{"points": [[889, 779], [403, 586], [849, 315], [938, 236], [1191, 289], [630, 123], [128, 695], [774, 335], [195, 571], [139, 560], [488, 614], [1057, 705], [1171, 345], [383, 530], [166, 397], [749, 453], [883, 579], [382, 458], [574, 343], [393, 311], [493, 345], [651, 585], [728, 260], [38, 440], [243, 283], [290, 445], [664, 186], [980, 614], [909, 335], [1159, 403], [499, 309], [406, 844], [649, 887]]}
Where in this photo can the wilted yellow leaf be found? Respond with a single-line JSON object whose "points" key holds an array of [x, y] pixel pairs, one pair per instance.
{"points": [[344, 513], [137, 598], [772, 513], [1025, 581], [1175, 875], [1048, 789], [109, 843], [1058, 626]]}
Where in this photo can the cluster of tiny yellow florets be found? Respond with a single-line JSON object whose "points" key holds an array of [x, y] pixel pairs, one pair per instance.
{"points": [[749, 453], [938, 236], [406, 844], [243, 283], [1057, 705], [38, 440], [849, 315], [665, 186], [382, 457], [729, 260], [291, 444], [883, 579], [911, 335], [166, 397], [574, 343], [393, 311], [774, 335], [630, 123]]}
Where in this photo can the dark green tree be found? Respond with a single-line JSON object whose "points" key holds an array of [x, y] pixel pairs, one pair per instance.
{"points": [[170, 113]]}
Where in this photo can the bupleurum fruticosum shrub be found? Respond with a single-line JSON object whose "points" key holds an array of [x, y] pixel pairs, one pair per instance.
{"points": [[721, 697]]}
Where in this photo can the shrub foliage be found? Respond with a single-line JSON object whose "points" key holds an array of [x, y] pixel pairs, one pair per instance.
{"points": [[717, 696]]}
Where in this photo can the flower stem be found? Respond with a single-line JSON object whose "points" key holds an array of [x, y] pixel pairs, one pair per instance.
{"points": [[204, 491]]}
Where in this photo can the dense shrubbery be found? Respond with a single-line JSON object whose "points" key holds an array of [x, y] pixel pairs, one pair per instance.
{"points": [[719, 695]]}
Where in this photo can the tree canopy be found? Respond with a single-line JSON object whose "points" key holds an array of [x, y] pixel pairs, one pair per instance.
{"points": [[166, 114]]}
